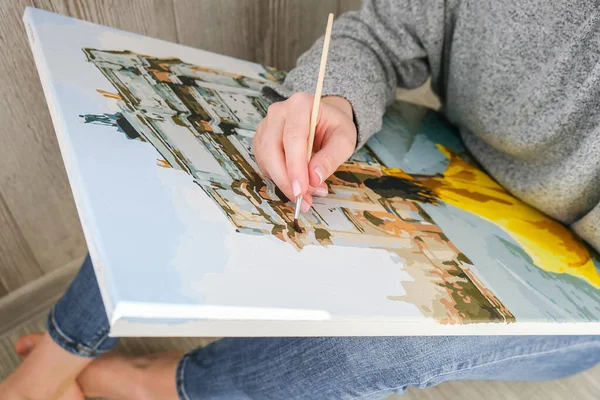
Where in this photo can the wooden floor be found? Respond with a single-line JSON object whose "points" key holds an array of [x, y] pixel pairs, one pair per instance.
{"points": [[20, 318]]}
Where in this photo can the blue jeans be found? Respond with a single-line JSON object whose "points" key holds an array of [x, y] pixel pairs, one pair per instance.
{"points": [[328, 368]]}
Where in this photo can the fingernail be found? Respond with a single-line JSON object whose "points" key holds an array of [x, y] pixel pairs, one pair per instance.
{"points": [[296, 188], [321, 192], [27, 345], [305, 207], [319, 171]]}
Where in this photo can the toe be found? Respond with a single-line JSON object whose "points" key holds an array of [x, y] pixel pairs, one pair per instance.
{"points": [[25, 344]]}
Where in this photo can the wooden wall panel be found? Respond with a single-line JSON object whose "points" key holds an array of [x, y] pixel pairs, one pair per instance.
{"points": [[289, 28], [42, 222], [225, 27], [17, 262], [39, 226], [347, 5], [273, 32], [147, 17]]}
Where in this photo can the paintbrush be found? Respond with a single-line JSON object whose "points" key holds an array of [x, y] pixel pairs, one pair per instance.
{"points": [[315, 111]]}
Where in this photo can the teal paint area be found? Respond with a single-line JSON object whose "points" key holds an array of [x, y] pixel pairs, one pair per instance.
{"points": [[414, 149]]}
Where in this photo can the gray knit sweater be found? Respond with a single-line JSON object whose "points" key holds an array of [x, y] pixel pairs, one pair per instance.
{"points": [[521, 79]]}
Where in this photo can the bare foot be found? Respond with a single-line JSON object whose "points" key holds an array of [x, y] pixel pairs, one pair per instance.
{"points": [[117, 377], [120, 377], [48, 372], [25, 346]]}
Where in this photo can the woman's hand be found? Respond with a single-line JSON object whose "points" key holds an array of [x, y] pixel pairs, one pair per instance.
{"points": [[281, 139]]}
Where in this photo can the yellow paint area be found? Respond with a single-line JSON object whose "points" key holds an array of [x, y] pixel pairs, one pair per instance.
{"points": [[163, 163], [109, 95], [551, 245]]}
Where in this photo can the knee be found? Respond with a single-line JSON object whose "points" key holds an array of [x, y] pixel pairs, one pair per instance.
{"points": [[392, 363], [365, 365]]}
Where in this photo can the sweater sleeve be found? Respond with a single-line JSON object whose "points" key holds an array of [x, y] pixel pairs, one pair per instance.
{"points": [[372, 52], [588, 227]]}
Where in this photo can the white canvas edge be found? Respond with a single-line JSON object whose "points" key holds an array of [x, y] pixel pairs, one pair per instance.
{"points": [[143, 319], [124, 327], [75, 181], [128, 309]]}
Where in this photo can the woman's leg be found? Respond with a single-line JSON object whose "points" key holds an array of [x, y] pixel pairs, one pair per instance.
{"points": [[77, 332], [78, 322], [335, 368], [276, 368], [350, 368]]}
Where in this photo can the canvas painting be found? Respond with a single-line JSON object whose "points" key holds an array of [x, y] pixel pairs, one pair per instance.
{"points": [[188, 237]]}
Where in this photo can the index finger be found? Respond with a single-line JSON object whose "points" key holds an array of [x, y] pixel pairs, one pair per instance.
{"points": [[295, 140]]}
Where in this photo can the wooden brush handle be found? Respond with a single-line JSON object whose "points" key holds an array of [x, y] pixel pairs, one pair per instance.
{"points": [[317, 101]]}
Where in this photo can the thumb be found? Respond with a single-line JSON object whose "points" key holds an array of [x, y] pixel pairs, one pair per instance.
{"points": [[332, 154]]}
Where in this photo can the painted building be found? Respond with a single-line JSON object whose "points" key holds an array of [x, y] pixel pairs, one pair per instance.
{"points": [[202, 121]]}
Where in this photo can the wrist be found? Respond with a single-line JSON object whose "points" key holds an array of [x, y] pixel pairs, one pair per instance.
{"points": [[339, 103]]}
